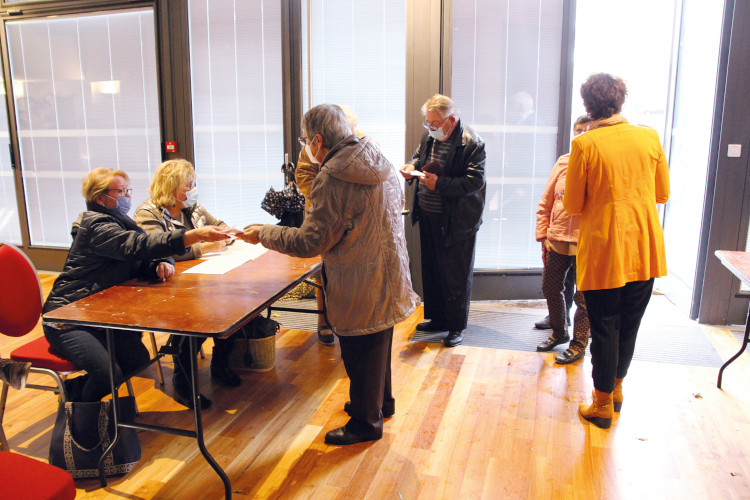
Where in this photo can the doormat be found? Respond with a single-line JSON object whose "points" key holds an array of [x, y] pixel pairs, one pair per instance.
{"points": [[677, 344], [297, 320]]}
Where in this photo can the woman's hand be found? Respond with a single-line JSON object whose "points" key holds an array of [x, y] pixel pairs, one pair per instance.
{"points": [[251, 234], [164, 271], [206, 233]]}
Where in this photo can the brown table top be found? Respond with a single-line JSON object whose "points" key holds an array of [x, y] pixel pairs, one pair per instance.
{"points": [[206, 305], [737, 262]]}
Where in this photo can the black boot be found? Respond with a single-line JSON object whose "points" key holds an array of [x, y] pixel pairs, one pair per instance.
{"points": [[454, 338], [220, 370], [184, 395]]}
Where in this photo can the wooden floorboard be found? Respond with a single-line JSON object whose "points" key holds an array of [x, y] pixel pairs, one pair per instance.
{"points": [[470, 423]]}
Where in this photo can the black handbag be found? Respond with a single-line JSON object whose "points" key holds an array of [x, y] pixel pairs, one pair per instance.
{"points": [[280, 203], [83, 430]]}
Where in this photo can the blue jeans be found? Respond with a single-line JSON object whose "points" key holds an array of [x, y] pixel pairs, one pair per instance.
{"points": [[87, 348]]}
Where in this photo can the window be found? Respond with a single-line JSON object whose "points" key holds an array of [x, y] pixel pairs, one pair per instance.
{"points": [[235, 51], [695, 91], [85, 96], [638, 49], [10, 225], [506, 82], [357, 57]]}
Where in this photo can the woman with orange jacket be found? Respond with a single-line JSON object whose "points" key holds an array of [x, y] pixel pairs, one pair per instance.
{"points": [[617, 174]]}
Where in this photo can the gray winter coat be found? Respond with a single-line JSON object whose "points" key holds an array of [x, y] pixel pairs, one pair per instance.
{"points": [[355, 223]]}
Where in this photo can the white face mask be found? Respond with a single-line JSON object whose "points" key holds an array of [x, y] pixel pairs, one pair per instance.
{"points": [[438, 134], [192, 197], [308, 150]]}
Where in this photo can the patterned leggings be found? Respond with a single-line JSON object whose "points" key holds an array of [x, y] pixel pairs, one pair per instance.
{"points": [[556, 268]]}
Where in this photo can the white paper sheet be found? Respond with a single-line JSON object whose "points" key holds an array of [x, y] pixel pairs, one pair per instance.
{"points": [[232, 256]]}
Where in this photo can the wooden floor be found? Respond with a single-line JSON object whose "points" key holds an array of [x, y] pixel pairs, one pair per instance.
{"points": [[469, 423]]}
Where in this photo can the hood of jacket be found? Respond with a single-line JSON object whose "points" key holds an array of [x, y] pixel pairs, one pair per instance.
{"points": [[351, 160]]}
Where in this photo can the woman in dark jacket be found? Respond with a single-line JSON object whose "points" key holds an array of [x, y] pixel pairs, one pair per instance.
{"points": [[109, 248]]}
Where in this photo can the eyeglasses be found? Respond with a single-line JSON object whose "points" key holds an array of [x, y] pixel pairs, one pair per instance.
{"points": [[122, 192], [430, 126], [303, 140]]}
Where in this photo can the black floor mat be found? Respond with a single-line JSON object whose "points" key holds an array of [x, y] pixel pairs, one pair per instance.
{"points": [[662, 343]]}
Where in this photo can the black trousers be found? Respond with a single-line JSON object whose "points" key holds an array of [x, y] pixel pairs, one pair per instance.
{"points": [[222, 349], [615, 316], [87, 348], [367, 359], [446, 275]]}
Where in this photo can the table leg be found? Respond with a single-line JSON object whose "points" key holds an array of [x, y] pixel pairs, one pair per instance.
{"points": [[742, 349], [115, 407], [199, 422]]}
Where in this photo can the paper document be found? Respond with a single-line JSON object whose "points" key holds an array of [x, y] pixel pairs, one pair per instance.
{"points": [[230, 257]]}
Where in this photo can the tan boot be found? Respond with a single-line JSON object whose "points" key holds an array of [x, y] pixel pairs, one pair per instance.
{"points": [[617, 395], [600, 412]]}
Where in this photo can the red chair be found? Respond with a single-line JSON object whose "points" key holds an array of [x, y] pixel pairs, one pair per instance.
{"points": [[20, 311], [24, 477]]}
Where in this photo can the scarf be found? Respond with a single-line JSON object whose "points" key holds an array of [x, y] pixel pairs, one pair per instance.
{"points": [[126, 221], [615, 119]]}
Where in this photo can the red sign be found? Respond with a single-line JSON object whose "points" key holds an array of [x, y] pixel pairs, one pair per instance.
{"points": [[171, 146]]}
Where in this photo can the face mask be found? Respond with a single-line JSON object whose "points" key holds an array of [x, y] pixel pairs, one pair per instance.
{"points": [[438, 134], [122, 204], [308, 150], [192, 197]]}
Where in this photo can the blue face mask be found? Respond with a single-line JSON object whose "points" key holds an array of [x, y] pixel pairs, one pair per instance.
{"points": [[122, 204], [192, 197]]}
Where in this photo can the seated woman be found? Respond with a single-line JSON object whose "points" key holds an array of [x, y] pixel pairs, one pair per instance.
{"points": [[109, 248], [174, 205]]}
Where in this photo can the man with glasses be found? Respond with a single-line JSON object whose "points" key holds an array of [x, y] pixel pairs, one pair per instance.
{"points": [[450, 192]]}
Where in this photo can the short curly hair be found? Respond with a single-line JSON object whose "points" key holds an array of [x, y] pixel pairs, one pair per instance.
{"points": [[97, 181], [603, 95], [168, 178]]}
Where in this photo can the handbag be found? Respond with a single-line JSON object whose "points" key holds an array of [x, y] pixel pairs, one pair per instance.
{"points": [[288, 200], [255, 348], [83, 430]]}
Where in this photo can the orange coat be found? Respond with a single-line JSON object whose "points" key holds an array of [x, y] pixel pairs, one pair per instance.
{"points": [[616, 176]]}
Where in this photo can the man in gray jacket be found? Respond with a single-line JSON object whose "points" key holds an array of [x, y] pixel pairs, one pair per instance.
{"points": [[355, 224]]}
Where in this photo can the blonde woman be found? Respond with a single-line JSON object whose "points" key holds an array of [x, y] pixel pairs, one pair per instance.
{"points": [[174, 205], [109, 248]]}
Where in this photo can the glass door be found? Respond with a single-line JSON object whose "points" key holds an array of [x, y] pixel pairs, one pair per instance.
{"points": [[10, 226], [85, 96]]}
